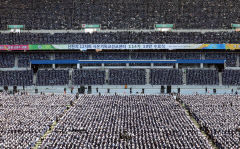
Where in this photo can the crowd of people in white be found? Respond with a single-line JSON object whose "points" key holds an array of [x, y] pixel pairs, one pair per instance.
{"points": [[25, 118], [218, 116], [136, 121], [118, 121]]}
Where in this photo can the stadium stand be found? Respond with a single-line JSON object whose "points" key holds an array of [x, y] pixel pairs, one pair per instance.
{"points": [[6, 60], [183, 55], [16, 78], [52, 77], [24, 58], [146, 56], [88, 77], [202, 77], [127, 76], [71, 55], [231, 77], [119, 14], [166, 77], [229, 57], [110, 56], [121, 38]]}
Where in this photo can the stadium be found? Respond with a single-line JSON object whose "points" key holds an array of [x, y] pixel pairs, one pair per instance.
{"points": [[103, 74]]}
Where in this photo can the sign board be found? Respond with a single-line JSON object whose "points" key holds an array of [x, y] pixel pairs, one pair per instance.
{"points": [[84, 47], [15, 26], [91, 26], [164, 25], [235, 25]]}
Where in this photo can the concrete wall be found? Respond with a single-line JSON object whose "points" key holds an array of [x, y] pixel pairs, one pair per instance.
{"points": [[136, 89]]}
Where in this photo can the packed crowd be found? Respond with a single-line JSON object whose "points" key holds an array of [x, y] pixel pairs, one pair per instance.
{"points": [[52, 77], [25, 118], [88, 77], [139, 121], [166, 77], [183, 55], [71, 55], [16, 78], [231, 58], [24, 59], [163, 76], [202, 77], [231, 77], [7, 60], [121, 38], [127, 76], [57, 77], [218, 116], [115, 14], [147, 55], [110, 56]]}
